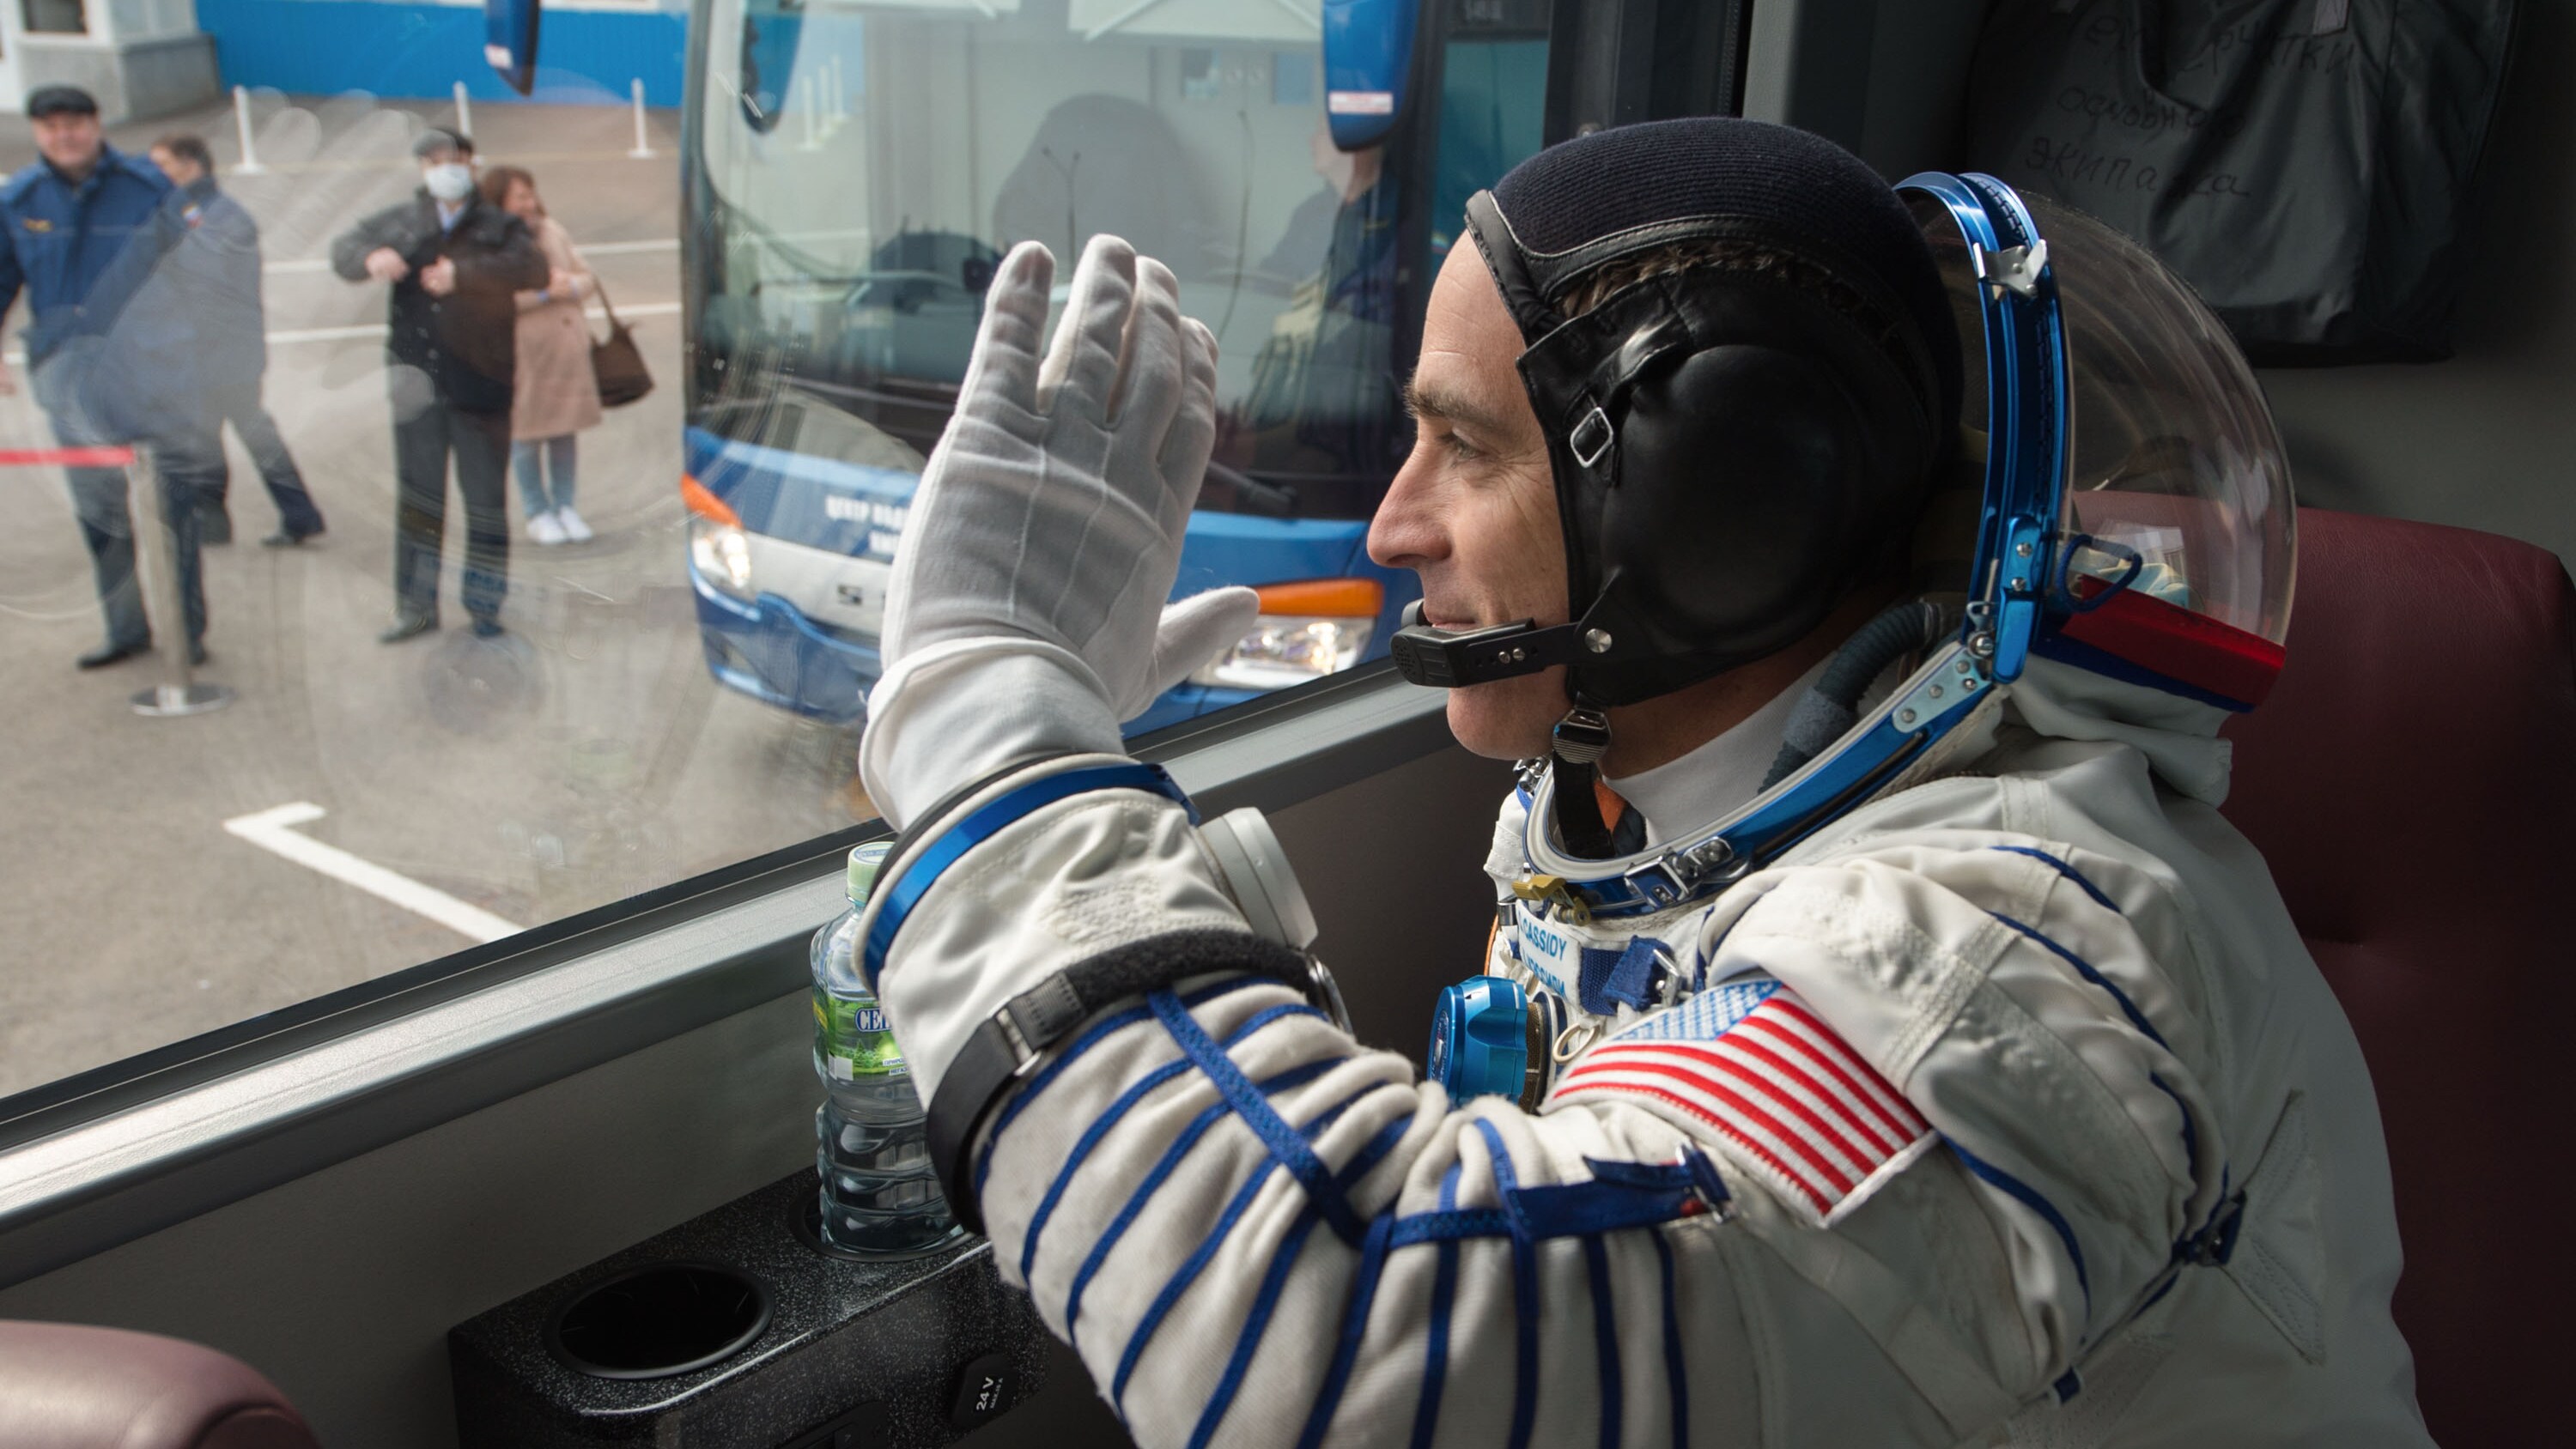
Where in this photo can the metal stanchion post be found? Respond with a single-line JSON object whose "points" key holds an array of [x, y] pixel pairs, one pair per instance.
{"points": [[464, 112], [241, 122], [643, 143], [156, 559]]}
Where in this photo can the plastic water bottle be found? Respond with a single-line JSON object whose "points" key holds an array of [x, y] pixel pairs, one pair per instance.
{"points": [[880, 1194]]}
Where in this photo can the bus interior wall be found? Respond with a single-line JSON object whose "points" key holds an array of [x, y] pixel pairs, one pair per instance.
{"points": [[2481, 440], [340, 1286]]}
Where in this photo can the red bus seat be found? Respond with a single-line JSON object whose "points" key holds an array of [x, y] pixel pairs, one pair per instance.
{"points": [[2412, 783]]}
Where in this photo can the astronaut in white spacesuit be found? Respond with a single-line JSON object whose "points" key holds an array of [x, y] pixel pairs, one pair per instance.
{"points": [[1897, 1049]]}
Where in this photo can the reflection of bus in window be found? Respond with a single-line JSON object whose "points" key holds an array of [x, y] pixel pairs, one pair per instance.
{"points": [[852, 175]]}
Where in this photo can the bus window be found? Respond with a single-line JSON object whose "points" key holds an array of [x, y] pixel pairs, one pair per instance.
{"points": [[855, 175]]}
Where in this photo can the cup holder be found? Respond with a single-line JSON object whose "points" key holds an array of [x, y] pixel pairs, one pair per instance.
{"points": [[659, 1320]]}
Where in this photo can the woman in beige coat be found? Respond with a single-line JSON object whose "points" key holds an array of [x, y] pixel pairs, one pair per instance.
{"points": [[556, 394]]}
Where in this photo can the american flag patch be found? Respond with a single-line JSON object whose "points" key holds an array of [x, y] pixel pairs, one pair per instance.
{"points": [[1799, 1107]]}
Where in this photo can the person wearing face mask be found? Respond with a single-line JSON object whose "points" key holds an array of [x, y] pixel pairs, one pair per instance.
{"points": [[453, 263]]}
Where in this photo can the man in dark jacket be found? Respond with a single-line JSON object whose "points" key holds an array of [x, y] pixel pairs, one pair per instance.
{"points": [[103, 372], [454, 264], [209, 271]]}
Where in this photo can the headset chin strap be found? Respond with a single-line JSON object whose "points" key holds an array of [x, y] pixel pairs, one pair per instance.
{"points": [[1578, 743]]}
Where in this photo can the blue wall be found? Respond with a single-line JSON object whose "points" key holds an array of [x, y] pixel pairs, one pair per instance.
{"points": [[324, 47]]}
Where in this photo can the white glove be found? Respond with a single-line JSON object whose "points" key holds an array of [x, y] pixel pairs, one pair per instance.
{"points": [[1026, 616]]}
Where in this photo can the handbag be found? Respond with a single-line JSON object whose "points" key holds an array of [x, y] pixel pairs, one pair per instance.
{"points": [[617, 362], [2306, 165]]}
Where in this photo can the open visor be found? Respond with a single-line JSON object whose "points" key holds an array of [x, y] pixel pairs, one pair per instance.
{"points": [[2173, 555]]}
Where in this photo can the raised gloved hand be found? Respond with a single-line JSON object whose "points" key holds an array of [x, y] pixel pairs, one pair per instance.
{"points": [[1027, 614]]}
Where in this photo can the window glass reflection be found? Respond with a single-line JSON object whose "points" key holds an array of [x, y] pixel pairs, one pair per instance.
{"points": [[538, 463]]}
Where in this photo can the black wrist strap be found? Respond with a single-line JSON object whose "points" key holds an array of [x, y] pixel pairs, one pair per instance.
{"points": [[1008, 1045]]}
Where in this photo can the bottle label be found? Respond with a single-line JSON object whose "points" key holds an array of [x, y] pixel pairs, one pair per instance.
{"points": [[853, 1040]]}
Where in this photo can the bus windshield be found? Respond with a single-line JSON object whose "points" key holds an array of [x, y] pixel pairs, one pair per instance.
{"points": [[858, 171]]}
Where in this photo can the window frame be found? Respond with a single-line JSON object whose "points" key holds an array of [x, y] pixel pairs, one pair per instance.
{"points": [[111, 1155]]}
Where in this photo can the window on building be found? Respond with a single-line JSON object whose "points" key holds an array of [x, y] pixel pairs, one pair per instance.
{"points": [[55, 17]]}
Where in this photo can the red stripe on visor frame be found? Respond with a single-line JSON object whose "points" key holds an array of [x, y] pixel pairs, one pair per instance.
{"points": [[2193, 648]]}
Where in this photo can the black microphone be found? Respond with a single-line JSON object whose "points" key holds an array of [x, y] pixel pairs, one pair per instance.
{"points": [[1453, 658]]}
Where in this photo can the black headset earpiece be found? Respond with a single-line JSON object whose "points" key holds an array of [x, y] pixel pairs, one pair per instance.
{"points": [[1732, 454]]}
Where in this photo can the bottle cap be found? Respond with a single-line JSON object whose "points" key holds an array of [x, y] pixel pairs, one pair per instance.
{"points": [[864, 861]]}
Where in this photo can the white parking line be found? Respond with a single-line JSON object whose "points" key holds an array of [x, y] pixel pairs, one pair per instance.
{"points": [[273, 830]]}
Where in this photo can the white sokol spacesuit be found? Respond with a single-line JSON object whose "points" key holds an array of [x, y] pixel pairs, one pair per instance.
{"points": [[1991, 1101]]}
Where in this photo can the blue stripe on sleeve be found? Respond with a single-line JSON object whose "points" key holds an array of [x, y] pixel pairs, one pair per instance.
{"points": [[2083, 968], [1162, 1171], [2068, 871], [1524, 1296], [1092, 1036], [1435, 1354], [1287, 1146], [1605, 1336], [1255, 1324], [2023, 1193], [1328, 1397], [1082, 1150], [1198, 1260], [1118, 1110], [1675, 1374]]}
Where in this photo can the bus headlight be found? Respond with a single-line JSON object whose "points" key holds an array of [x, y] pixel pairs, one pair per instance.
{"points": [[718, 548], [722, 556], [1307, 630]]}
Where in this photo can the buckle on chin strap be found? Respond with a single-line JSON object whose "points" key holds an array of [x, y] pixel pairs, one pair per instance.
{"points": [[1591, 438]]}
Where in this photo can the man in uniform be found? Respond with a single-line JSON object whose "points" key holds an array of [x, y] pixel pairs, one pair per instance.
{"points": [[104, 373], [454, 265], [1911, 1063]]}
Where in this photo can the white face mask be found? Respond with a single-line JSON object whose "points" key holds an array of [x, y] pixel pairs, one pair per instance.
{"points": [[451, 183]]}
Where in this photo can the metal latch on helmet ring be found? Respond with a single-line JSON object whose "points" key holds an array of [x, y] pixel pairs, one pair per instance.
{"points": [[1591, 437], [1935, 696], [2011, 269]]}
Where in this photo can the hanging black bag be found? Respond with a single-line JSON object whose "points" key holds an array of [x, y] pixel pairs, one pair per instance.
{"points": [[617, 362], [2304, 164]]}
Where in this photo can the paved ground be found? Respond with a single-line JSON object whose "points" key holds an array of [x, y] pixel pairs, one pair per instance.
{"points": [[584, 757]]}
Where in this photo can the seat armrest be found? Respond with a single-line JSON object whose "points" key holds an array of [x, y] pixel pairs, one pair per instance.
{"points": [[70, 1386]]}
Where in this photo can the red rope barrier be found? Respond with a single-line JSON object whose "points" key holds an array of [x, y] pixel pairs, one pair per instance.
{"points": [[103, 457]]}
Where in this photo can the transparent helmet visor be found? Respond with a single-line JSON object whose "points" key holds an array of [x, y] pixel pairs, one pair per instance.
{"points": [[2177, 489]]}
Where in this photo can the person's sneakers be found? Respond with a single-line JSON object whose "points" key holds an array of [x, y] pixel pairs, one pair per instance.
{"points": [[197, 655], [545, 530], [574, 530], [486, 627], [284, 539], [406, 626], [112, 652]]}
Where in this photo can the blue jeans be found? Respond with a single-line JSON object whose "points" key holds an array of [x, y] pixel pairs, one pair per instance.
{"points": [[558, 462]]}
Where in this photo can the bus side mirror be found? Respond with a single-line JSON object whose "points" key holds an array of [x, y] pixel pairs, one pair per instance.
{"points": [[1368, 61], [975, 274], [510, 41], [770, 32]]}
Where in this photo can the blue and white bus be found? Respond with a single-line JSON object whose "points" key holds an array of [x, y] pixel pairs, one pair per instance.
{"points": [[853, 172]]}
